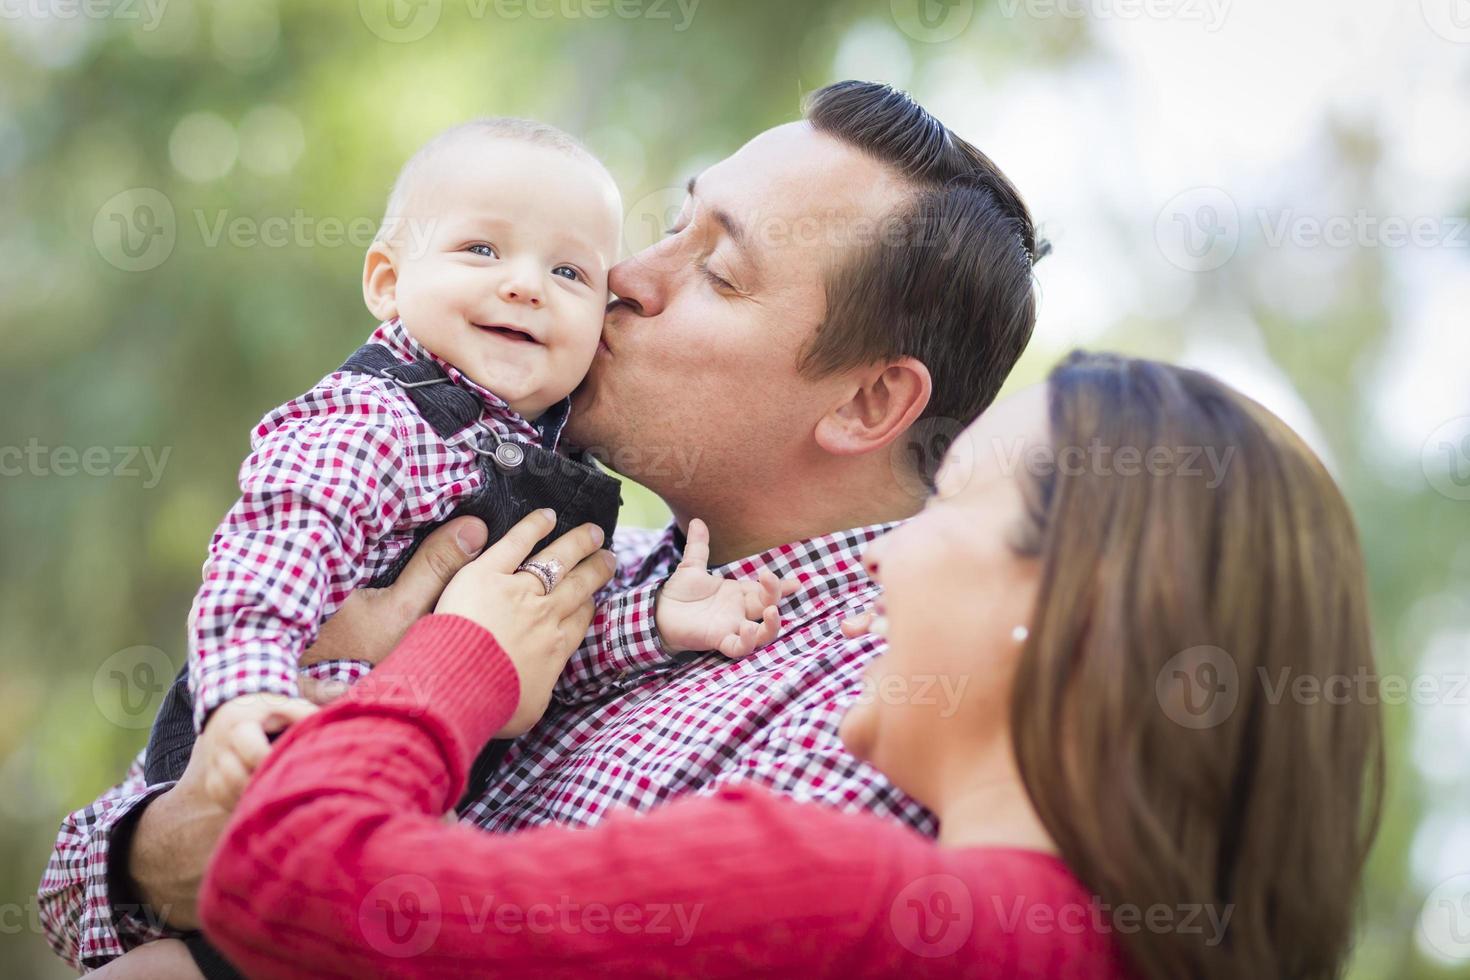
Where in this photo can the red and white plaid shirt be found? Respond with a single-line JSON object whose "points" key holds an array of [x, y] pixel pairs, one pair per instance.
{"points": [[629, 726], [332, 491]]}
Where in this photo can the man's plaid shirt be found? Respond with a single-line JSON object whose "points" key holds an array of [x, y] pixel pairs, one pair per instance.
{"points": [[630, 726]]}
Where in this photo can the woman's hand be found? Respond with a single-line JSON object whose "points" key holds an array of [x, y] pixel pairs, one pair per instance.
{"points": [[538, 631]]}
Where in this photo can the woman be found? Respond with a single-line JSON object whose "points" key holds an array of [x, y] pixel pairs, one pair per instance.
{"points": [[1112, 564]]}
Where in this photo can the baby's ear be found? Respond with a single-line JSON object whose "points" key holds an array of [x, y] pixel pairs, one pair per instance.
{"points": [[380, 281]]}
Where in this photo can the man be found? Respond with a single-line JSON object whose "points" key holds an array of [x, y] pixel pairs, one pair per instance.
{"points": [[833, 292]]}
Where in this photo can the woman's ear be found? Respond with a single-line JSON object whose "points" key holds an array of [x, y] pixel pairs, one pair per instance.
{"points": [[380, 281], [881, 405]]}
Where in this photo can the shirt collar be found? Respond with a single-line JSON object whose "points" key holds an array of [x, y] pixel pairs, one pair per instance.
{"points": [[828, 566], [545, 431]]}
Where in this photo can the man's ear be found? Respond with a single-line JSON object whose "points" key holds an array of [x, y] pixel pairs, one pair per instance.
{"points": [[380, 281], [882, 403]]}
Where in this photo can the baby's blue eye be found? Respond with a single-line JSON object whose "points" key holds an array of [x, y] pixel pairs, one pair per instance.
{"points": [[567, 272], [480, 248]]}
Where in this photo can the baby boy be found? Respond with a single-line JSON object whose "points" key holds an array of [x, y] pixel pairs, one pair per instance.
{"points": [[490, 279]]}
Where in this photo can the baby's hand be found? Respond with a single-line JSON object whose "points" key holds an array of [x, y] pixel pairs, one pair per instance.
{"points": [[236, 739], [700, 611]]}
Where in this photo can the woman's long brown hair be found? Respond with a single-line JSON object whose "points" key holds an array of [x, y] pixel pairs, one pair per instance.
{"points": [[1160, 721]]}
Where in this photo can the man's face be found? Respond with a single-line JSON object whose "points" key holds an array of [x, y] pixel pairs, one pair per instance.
{"points": [[696, 391]]}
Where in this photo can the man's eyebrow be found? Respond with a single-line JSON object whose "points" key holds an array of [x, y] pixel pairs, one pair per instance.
{"points": [[733, 228]]}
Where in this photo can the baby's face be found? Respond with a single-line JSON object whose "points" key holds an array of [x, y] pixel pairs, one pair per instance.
{"points": [[499, 266]]}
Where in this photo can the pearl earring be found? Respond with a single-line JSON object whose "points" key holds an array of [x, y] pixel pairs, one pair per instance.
{"points": [[1020, 633]]}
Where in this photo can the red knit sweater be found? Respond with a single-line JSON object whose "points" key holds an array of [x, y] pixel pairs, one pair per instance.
{"points": [[337, 864]]}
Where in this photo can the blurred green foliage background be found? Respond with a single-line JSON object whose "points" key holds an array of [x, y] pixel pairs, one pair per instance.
{"points": [[188, 187]]}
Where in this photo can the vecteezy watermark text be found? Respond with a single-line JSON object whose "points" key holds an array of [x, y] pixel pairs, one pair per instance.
{"points": [[1075, 918], [406, 21], [1210, 13], [401, 917], [149, 12], [1200, 229], [943, 691], [121, 462], [1098, 458], [1201, 687]]}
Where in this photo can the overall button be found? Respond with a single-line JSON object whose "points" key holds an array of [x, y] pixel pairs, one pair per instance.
{"points": [[508, 455]]}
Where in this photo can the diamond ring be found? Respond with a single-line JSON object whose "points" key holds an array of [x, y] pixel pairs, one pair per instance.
{"points": [[547, 572]]}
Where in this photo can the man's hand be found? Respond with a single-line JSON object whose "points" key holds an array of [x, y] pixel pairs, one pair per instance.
{"points": [[372, 621], [697, 610], [176, 832]]}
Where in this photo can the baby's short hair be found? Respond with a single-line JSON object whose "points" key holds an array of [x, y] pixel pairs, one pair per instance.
{"points": [[494, 127]]}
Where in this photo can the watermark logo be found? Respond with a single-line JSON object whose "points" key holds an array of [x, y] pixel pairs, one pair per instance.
{"points": [[1019, 915], [400, 21], [1209, 464], [1210, 13], [1444, 922], [401, 917], [1446, 459], [135, 230], [406, 21], [1450, 19], [933, 916], [130, 685], [932, 21], [1361, 229], [1198, 230], [148, 12], [138, 229], [942, 691], [916, 456], [119, 462], [1199, 687], [646, 225]]}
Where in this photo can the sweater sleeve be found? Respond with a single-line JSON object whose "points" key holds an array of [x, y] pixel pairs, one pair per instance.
{"points": [[337, 864]]}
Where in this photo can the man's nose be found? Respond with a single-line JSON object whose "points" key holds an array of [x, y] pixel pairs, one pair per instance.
{"points": [[521, 286], [639, 283]]}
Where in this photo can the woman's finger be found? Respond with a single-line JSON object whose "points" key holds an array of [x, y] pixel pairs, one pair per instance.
{"points": [[437, 560], [506, 555], [571, 548], [579, 585], [577, 621]]}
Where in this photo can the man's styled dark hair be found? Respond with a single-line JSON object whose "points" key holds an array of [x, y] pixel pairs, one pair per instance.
{"points": [[947, 280]]}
